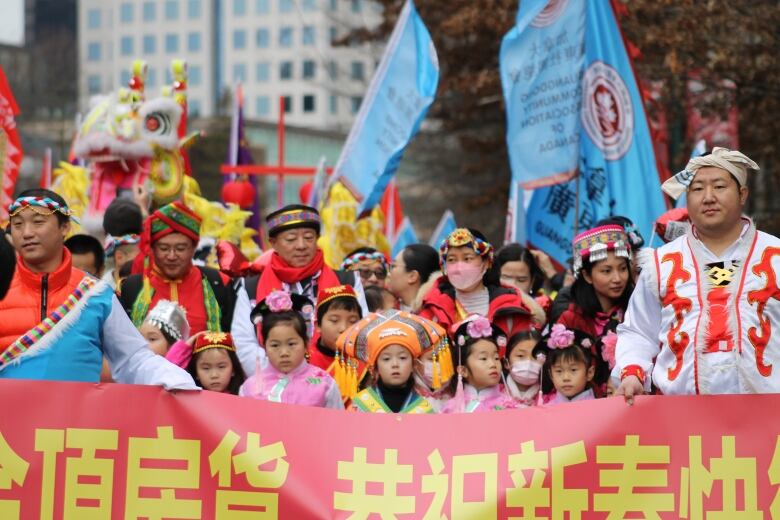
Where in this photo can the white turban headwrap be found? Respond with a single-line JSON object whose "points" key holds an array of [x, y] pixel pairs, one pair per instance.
{"points": [[733, 161]]}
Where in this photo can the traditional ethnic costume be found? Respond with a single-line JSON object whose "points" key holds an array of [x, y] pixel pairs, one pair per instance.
{"points": [[367, 339], [59, 325], [447, 306], [202, 291], [701, 323], [307, 281]]}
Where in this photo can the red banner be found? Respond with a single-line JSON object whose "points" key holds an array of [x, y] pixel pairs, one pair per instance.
{"points": [[73, 450]]}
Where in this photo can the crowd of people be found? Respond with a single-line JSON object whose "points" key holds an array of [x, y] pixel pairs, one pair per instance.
{"points": [[463, 328]]}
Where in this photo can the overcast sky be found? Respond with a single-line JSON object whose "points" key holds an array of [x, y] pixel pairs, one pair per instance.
{"points": [[12, 22]]}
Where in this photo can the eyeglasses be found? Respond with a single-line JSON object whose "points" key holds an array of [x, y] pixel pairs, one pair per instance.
{"points": [[178, 249], [365, 274]]}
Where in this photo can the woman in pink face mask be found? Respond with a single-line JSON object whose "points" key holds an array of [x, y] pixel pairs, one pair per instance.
{"points": [[468, 286]]}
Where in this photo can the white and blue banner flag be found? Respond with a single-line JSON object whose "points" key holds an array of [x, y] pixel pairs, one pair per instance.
{"points": [[616, 172], [400, 93], [445, 226]]}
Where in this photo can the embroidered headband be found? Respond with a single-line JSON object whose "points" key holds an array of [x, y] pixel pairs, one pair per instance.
{"points": [[327, 294], [291, 217], [356, 258], [175, 217], [213, 340], [595, 243], [49, 206], [463, 237], [113, 242]]}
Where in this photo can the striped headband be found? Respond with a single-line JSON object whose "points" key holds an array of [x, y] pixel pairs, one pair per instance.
{"points": [[113, 242], [40, 202], [295, 216], [360, 257]]}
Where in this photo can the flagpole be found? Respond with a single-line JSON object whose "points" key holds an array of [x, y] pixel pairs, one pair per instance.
{"points": [[577, 205], [280, 154]]}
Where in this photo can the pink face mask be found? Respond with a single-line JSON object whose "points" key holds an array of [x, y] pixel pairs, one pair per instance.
{"points": [[462, 276]]}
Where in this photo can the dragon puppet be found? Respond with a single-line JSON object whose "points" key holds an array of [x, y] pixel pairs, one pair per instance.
{"points": [[126, 140]]}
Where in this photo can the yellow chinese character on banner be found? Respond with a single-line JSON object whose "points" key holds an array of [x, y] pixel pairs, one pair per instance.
{"points": [[13, 470], [573, 501], [629, 477], [94, 469], [528, 495], [696, 483], [139, 475], [437, 483], [50, 443], [388, 473], [248, 505], [774, 479], [485, 464]]}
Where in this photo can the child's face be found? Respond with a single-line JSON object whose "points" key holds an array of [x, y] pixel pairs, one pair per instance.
{"points": [[521, 352], [334, 322], [483, 366], [157, 342], [285, 348], [570, 377], [214, 369], [394, 365]]}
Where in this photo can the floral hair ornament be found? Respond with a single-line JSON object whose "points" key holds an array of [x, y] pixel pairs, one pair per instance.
{"points": [[476, 327], [608, 348], [281, 301], [595, 244], [560, 337], [463, 237], [42, 206]]}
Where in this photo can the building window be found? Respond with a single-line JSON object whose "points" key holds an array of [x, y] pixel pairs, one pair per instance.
{"points": [[172, 10], [151, 77], [193, 107], [239, 7], [308, 35], [124, 78], [308, 103], [168, 76], [333, 70], [126, 12], [357, 71], [309, 69], [263, 71], [285, 70], [261, 6], [149, 11], [149, 44], [93, 18], [239, 73], [93, 52], [309, 5], [287, 104], [334, 34], [356, 6], [93, 84], [262, 105], [286, 37], [355, 103], [239, 39], [262, 38], [193, 9], [333, 104], [285, 6], [193, 42], [194, 76], [126, 45], [171, 43]]}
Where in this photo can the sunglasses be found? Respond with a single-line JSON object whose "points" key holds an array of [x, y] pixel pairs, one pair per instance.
{"points": [[365, 274]]}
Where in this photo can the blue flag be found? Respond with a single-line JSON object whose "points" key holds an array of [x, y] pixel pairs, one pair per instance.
{"points": [[445, 226], [397, 100], [617, 173], [404, 237]]}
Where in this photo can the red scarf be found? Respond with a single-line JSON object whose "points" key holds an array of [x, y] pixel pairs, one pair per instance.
{"points": [[279, 271]]}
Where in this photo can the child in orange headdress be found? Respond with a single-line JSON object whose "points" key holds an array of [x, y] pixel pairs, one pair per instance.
{"points": [[389, 343]]}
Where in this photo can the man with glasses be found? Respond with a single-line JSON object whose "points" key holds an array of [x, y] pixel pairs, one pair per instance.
{"points": [[369, 263], [166, 270]]}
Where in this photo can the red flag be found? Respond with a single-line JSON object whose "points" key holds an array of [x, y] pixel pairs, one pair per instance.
{"points": [[10, 146], [391, 207], [45, 181]]}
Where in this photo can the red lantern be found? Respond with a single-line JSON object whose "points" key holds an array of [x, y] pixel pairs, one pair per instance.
{"points": [[239, 192]]}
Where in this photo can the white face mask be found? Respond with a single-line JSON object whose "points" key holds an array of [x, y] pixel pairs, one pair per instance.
{"points": [[427, 372], [525, 372]]}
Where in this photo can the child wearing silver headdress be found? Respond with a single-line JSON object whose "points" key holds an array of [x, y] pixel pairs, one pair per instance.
{"points": [[165, 324]]}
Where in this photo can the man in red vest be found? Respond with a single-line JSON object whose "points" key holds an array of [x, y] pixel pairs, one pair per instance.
{"points": [[297, 266]]}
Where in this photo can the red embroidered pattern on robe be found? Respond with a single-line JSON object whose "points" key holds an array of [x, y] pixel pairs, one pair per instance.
{"points": [[761, 297], [681, 307]]}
